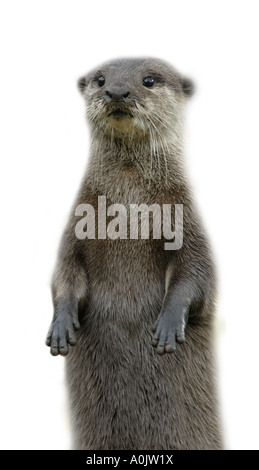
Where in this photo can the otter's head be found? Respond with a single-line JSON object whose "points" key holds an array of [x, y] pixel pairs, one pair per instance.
{"points": [[139, 98]]}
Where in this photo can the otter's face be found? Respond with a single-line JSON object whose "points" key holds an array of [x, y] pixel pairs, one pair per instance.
{"points": [[134, 97]]}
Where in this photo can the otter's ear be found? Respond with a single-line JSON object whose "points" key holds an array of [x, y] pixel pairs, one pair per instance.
{"points": [[81, 84], [188, 86]]}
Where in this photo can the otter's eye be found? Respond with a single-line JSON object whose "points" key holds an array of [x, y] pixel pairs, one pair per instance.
{"points": [[101, 80], [148, 82]]}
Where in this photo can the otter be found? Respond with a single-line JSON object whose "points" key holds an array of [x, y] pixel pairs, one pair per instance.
{"points": [[137, 319]]}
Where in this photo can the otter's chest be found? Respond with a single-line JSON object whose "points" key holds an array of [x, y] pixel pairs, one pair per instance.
{"points": [[126, 281]]}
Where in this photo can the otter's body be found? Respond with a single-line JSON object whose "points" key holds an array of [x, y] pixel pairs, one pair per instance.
{"points": [[126, 393]]}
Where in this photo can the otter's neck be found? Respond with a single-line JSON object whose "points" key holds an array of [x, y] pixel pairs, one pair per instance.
{"points": [[115, 161]]}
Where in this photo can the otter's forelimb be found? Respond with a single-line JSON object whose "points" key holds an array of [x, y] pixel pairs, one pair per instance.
{"points": [[170, 325], [63, 327]]}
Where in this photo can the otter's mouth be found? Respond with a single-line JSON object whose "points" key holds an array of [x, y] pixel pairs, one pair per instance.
{"points": [[119, 113]]}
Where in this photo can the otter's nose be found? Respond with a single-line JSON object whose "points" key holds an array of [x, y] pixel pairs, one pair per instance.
{"points": [[117, 94]]}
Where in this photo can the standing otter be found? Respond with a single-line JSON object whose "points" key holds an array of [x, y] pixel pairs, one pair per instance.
{"points": [[130, 388]]}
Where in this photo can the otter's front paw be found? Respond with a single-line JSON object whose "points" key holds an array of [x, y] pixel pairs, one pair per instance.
{"points": [[62, 329], [169, 328]]}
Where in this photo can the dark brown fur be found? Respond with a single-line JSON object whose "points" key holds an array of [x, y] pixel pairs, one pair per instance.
{"points": [[123, 395]]}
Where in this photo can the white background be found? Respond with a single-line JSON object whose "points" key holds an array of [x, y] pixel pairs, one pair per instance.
{"points": [[45, 46]]}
